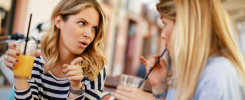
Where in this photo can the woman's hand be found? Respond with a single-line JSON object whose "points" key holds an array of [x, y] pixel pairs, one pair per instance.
{"points": [[10, 56], [158, 75], [74, 73], [132, 93]]}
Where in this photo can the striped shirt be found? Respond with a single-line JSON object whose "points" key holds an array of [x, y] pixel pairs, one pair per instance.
{"points": [[48, 87]]}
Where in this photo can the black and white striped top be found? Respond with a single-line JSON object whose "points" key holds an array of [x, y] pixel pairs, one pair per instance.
{"points": [[48, 87]]}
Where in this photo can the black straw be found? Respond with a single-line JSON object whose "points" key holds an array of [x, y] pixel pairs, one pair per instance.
{"points": [[158, 59], [27, 36]]}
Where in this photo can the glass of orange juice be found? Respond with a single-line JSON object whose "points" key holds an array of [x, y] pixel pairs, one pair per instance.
{"points": [[24, 67]]}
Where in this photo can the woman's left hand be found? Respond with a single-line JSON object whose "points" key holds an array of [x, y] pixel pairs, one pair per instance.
{"points": [[74, 73], [132, 93]]}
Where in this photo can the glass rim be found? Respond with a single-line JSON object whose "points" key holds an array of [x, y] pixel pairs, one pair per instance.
{"points": [[132, 76]]}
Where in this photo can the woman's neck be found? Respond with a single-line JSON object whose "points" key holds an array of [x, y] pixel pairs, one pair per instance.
{"points": [[64, 57], [58, 70]]}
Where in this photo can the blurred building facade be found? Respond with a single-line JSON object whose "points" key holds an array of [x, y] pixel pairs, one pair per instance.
{"points": [[133, 32]]}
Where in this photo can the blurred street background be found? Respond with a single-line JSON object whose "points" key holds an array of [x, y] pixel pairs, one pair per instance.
{"points": [[134, 29]]}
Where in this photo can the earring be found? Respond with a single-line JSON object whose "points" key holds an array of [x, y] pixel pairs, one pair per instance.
{"points": [[58, 26]]}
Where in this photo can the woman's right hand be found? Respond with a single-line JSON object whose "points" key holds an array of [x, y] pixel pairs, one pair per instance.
{"points": [[158, 76], [10, 56]]}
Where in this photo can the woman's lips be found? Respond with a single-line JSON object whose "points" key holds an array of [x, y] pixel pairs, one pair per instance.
{"points": [[83, 44]]}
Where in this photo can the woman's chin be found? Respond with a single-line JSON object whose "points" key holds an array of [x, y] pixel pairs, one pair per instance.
{"points": [[78, 52], [168, 47]]}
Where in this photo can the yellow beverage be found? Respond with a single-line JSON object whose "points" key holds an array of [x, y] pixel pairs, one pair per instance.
{"points": [[23, 68]]}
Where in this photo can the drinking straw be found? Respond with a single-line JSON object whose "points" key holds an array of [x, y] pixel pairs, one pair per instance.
{"points": [[27, 36], [158, 59]]}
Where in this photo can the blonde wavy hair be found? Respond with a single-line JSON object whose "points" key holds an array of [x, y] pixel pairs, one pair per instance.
{"points": [[93, 58], [201, 30], [166, 8]]}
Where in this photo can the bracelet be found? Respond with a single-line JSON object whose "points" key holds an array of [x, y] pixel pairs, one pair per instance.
{"points": [[164, 94], [81, 91]]}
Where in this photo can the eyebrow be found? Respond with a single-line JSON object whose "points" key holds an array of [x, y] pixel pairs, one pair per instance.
{"points": [[96, 26]]}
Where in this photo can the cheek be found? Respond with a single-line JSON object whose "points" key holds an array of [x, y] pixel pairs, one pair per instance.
{"points": [[169, 33], [92, 37], [168, 36], [67, 34], [165, 35]]}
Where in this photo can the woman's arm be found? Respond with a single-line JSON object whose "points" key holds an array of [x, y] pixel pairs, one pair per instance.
{"points": [[29, 90], [160, 90], [21, 84]]}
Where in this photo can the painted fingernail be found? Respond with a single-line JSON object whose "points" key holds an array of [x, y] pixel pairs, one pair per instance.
{"points": [[148, 68], [162, 58], [17, 61], [17, 54], [151, 65], [14, 45]]}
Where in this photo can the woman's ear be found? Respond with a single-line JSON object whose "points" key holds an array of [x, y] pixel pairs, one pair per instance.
{"points": [[58, 21]]}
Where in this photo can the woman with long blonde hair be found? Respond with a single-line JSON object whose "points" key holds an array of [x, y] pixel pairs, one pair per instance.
{"points": [[72, 61], [207, 63]]}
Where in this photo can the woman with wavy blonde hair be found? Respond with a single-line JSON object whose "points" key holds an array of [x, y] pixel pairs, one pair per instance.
{"points": [[208, 64], [72, 61]]}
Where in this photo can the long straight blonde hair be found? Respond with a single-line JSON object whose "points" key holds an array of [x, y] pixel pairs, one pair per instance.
{"points": [[93, 58], [201, 29]]}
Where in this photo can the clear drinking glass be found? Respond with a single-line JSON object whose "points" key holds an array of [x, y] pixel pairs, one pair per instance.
{"points": [[128, 80]]}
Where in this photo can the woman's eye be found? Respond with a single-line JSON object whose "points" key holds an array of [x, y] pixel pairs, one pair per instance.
{"points": [[94, 29], [81, 23], [163, 24]]}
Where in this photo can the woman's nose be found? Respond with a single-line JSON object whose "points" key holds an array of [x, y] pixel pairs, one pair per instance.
{"points": [[87, 33]]}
